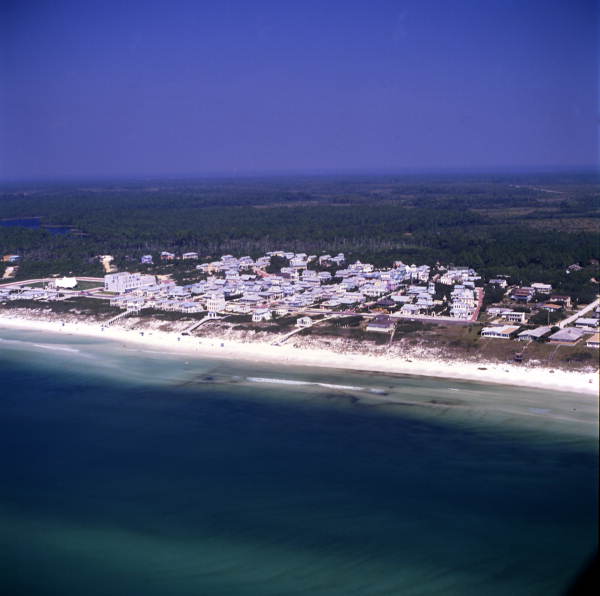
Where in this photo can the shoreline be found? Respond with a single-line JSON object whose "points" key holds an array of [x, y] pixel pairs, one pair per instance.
{"points": [[482, 372]]}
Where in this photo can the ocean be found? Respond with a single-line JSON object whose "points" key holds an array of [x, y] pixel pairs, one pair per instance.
{"points": [[128, 471]]}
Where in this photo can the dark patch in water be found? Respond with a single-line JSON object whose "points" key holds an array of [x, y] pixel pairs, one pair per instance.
{"points": [[200, 379], [353, 399], [397, 403], [446, 402], [210, 379]]}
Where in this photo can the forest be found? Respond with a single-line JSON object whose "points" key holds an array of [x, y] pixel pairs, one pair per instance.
{"points": [[527, 226]]}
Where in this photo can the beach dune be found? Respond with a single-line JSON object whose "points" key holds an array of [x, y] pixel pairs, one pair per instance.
{"points": [[485, 372]]}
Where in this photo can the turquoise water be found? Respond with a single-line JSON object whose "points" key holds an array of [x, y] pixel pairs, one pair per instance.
{"points": [[127, 471]]}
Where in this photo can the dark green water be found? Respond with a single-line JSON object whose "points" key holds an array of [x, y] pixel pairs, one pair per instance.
{"points": [[127, 472]]}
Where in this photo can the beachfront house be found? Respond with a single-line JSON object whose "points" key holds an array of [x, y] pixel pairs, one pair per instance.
{"points": [[381, 324], [503, 332], [585, 323], [261, 314], [533, 334], [304, 322], [190, 307], [594, 341], [568, 336], [215, 302]]}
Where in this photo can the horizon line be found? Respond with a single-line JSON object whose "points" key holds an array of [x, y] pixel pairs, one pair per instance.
{"points": [[304, 173]]}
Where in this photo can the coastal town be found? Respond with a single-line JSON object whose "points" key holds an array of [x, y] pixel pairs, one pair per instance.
{"points": [[301, 292], [299, 298]]}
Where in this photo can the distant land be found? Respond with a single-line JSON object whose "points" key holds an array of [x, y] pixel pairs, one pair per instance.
{"points": [[530, 226]]}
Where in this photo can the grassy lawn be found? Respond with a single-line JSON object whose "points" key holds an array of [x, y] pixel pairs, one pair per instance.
{"points": [[80, 306]]}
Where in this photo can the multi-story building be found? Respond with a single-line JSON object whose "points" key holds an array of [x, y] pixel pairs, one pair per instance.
{"points": [[124, 281], [514, 317], [215, 303]]}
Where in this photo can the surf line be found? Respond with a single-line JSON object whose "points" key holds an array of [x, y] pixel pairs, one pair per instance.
{"points": [[313, 383], [55, 347]]}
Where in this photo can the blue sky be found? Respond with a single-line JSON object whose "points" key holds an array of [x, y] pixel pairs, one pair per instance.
{"points": [[189, 88]]}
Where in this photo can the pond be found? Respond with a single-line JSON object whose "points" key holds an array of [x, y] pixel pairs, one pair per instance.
{"points": [[35, 223]]}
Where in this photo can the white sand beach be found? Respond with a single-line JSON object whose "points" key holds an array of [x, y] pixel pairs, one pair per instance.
{"points": [[485, 372]]}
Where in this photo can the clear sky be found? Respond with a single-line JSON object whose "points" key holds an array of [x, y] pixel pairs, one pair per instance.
{"points": [[189, 88]]}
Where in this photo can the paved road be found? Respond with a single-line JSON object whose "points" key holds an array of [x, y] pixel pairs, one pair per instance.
{"points": [[578, 314]]}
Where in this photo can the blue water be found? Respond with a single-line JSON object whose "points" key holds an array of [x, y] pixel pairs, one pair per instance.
{"points": [[23, 222], [34, 223], [125, 471]]}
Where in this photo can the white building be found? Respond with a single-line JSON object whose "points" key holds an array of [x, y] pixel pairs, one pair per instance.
{"points": [[261, 314], [381, 324], [531, 334], [215, 303], [542, 288], [190, 307], [304, 322], [514, 317], [410, 309], [584, 323], [504, 332], [461, 311], [124, 281], [594, 341], [66, 282], [298, 263]]}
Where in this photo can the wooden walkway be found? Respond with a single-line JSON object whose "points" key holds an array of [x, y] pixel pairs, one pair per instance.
{"points": [[283, 339]]}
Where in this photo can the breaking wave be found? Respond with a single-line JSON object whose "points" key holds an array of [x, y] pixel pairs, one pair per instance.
{"points": [[313, 383], [55, 347]]}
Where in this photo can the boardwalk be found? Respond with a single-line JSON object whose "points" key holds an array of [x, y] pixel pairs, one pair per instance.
{"points": [[122, 315], [283, 339], [197, 324]]}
